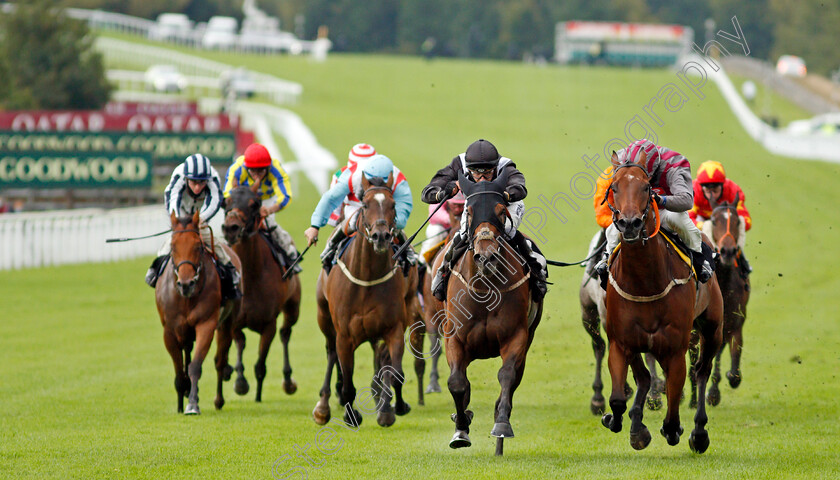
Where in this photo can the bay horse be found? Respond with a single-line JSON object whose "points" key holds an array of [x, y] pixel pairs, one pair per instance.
{"points": [[188, 297], [735, 290], [367, 299], [593, 314], [653, 300], [479, 324], [265, 293]]}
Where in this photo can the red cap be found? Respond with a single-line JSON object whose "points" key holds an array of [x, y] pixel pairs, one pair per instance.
{"points": [[256, 156]]}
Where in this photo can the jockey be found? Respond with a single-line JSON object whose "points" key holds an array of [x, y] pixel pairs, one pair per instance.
{"points": [[360, 152], [439, 223], [482, 162], [378, 170], [195, 185], [712, 186], [256, 165], [670, 179]]}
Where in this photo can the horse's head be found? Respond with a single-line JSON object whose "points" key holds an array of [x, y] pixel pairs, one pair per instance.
{"points": [[187, 251], [242, 213], [486, 215], [377, 217], [726, 226], [630, 193]]}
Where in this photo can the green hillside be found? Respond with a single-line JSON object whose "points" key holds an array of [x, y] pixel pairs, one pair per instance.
{"points": [[87, 390]]}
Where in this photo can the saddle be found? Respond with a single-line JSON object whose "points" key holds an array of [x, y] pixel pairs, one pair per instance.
{"points": [[280, 256], [674, 240]]}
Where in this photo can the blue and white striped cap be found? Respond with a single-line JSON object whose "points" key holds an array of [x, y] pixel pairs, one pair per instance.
{"points": [[197, 167]]}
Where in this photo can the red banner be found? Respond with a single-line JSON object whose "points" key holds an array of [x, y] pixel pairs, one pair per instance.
{"points": [[97, 121]]}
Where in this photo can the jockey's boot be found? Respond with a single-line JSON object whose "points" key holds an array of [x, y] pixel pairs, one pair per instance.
{"points": [[602, 268], [704, 263], [408, 257], [154, 270], [230, 279], [744, 266], [332, 245], [296, 269], [538, 274], [441, 279]]}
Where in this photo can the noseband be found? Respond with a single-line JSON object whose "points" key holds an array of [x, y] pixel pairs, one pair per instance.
{"points": [[728, 227], [249, 223], [616, 212]]}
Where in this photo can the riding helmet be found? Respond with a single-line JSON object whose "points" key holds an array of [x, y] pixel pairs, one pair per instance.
{"points": [[711, 172], [482, 153], [197, 167], [257, 156], [379, 166], [359, 153]]}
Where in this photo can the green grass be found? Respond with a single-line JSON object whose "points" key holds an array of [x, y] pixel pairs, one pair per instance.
{"points": [[768, 103], [87, 389]]}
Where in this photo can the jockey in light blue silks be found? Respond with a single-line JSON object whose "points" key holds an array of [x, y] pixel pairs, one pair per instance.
{"points": [[378, 170]]}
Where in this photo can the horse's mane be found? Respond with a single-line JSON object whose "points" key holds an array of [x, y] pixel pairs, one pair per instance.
{"points": [[240, 196], [185, 220]]}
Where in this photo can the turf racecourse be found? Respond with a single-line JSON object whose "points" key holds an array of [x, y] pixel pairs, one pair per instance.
{"points": [[87, 385]]}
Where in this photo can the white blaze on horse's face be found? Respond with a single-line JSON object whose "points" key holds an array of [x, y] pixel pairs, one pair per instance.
{"points": [[379, 197]]}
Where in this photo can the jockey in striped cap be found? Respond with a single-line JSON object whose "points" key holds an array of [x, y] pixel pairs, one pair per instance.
{"points": [[670, 179], [195, 185]]}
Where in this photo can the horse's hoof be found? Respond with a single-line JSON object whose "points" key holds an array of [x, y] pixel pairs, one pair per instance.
{"points": [[713, 397], [402, 409], [321, 416], [227, 371], [734, 379], [460, 440], [192, 410], [672, 438], [219, 403], [641, 439], [654, 403], [698, 442], [608, 421], [355, 421], [289, 386], [434, 387], [469, 414], [597, 407], [241, 386], [386, 419], [502, 430]]}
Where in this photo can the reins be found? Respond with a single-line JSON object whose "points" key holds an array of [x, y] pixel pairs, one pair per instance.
{"points": [[360, 222]]}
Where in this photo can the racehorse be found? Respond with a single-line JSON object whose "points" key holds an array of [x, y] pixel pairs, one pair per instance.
{"points": [[265, 293], [653, 301], [188, 298], [735, 289], [367, 299], [593, 315], [478, 323], [433, 309]]}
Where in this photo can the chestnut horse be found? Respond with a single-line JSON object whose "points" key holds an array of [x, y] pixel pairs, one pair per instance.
{"points": [[478, 323], [188, 297], [735, 290], [367, 299], [653, 301], [265, 293]]}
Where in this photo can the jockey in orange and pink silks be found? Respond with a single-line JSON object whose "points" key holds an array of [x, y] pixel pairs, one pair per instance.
{"points": [[670, 180]]}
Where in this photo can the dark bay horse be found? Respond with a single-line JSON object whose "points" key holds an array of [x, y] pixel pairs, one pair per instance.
{"points": [[593, 314], [265, 293], [188, 297], [366, 298], [653, 302], [479, 324], [735, 289]]}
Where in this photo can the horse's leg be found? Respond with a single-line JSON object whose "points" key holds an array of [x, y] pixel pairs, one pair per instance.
{"points": [[657, 385], [203, 339], [710, 342], [639, 433], [346, 362], [290, 317], [459, 387], [321, 414], [390, 368], [513, 355], [736, 343], [592, 325], [693, 352], [375, 385], [673, 367], [240, 386], [223, 370], [182, 382], [617, 362], [714, 390], [435, 347], [266, 337], [396, 347], [415, 337]]}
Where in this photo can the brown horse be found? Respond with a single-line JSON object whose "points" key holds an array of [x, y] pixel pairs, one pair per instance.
{"points": [[433, 309], [653, 301], [265, 293], [593, 315], [367, 299], [478, 323], [735, 289], [188, 298]]}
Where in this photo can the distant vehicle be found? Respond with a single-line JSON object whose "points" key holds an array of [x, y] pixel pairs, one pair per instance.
{"points": [[263, 34], [238, 82], [165, 78], [826, 124], [791, 66], [220, 33], [171, 27]]}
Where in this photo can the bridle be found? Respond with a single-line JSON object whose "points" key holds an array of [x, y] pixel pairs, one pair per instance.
{"points": [[728, 226], [616, 212], [196, 266], [380, 222], [484, 234]]}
